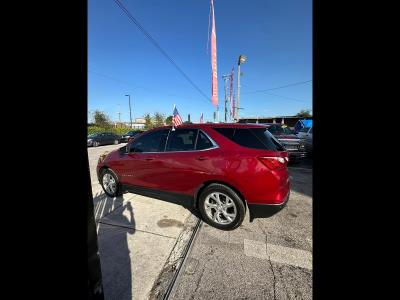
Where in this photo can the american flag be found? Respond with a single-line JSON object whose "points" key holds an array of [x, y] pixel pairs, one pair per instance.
{"points": [[176, 118]]}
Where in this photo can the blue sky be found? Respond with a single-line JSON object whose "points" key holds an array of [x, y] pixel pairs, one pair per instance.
{"points": [[276, 37]]}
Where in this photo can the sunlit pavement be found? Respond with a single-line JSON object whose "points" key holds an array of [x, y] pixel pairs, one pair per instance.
{"points": [[136, 235], [268, 259]]}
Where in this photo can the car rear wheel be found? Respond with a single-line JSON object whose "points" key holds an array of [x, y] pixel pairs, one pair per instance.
{"points": [[221, 207], [95, 144], [116, 142], [110, 184]]}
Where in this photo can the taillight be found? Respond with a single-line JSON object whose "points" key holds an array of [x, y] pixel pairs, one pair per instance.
{"points": [[273, 162]]}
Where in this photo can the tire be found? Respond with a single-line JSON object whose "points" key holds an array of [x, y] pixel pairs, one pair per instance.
{"points": [[230, 217], [107, 177], [116, 142], [95, 144]]}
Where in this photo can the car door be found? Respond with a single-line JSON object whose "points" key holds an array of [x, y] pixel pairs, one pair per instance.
{"points": [[102, 138], [110, 138], [186, 163], [141, 165]]}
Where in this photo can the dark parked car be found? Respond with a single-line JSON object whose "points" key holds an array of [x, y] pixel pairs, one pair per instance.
{"points": [[125, 138], [104, 138], [215, 168], [287, 137]]}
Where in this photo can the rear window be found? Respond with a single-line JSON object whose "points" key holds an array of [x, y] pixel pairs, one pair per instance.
{"points": [[255, 138]]}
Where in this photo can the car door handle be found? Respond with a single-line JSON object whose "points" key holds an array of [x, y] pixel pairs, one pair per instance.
{"points": [[202, 158]]}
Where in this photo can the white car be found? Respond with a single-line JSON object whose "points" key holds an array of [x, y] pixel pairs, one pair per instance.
{"points": [[303, 132]]}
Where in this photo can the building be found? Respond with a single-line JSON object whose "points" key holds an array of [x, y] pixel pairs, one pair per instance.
{"points": [[288, 120], [127, 125]]}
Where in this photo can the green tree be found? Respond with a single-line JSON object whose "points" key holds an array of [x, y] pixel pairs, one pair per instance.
{"points": [[148, 122], [101, 119], [168, 120], [159, 119], [304, 113]]}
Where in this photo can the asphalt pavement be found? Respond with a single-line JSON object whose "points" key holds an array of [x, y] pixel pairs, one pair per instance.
{"points": [[268, 259]]}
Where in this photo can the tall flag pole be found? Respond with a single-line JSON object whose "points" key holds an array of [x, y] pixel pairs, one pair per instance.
{"points": [[214, 83]]}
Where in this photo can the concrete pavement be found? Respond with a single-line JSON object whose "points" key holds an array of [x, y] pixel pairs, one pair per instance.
{"points": [[136, 237], [268, 259], [141, 238]]}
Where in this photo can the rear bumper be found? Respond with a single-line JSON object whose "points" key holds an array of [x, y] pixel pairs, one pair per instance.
{"points": [[266, 210]]}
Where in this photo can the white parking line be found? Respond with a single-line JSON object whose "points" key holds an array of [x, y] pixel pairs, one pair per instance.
{"points": [[279, 254]]}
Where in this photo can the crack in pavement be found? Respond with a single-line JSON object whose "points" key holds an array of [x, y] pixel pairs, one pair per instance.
{"points": [[198, 283], [273, 273]]}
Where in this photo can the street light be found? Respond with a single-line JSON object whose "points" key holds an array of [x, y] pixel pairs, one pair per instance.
{"points": [[130, 112], [241, 60]]}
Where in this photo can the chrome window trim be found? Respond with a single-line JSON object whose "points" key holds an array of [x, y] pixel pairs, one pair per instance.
{"points": [[215, 145]]}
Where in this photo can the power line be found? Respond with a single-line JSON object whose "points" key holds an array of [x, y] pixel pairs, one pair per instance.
{"points": [[139, 87], [289, 98], [279, 87], [154, 42]]}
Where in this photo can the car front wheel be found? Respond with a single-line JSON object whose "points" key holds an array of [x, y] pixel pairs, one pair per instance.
{"points": [[110, 184], [221, 207], [116, 142]]}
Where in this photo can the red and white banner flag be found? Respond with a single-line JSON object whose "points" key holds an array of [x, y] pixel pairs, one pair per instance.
{"points": [[214, 84], [201, 118]]}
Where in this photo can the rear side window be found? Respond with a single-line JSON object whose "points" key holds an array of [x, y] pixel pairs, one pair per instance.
{"points": [[150, 142], [227, 132], [256, 138], [181, 140], [203, 142]]}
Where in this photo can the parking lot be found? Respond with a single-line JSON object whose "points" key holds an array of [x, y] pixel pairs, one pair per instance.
{"points": [[140, 237]]}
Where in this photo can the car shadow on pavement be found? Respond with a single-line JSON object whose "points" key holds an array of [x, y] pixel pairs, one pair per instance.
{"points": [[114, 241], [301, 181]]}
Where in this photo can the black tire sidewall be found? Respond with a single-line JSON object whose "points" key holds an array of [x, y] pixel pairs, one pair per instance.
{"points": [[118, 186], [240, 207]]}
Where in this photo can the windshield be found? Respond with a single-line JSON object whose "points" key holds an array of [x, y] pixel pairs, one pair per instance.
{"points": [[93, 135], [280, 130]]}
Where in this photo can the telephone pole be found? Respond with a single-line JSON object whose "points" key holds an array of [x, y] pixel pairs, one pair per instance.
{"points": [[130, 112], [226, 78]]}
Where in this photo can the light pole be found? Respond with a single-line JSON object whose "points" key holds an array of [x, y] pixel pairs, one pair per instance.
{"points": [[130, 112], [226, 78], [241, 60]]}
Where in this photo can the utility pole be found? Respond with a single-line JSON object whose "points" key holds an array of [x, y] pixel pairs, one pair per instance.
{"points": [[241, 60], [189, 118], [119, 114], [130, 112], [226, 78]]}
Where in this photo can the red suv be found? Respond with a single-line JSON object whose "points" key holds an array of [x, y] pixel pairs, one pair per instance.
{"points": [[218, 169]]}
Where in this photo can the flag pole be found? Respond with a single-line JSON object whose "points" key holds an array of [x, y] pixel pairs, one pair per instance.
{"points": [[173, 117]]}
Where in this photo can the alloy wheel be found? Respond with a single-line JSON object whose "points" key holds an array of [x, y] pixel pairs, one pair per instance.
{"points": [[220, 208], [109, 183]]}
